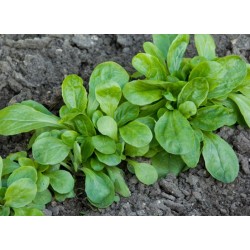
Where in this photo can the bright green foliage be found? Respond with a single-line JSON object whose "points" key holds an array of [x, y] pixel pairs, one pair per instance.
{"points": [[166, 112], [25, 190], [221, 161]]}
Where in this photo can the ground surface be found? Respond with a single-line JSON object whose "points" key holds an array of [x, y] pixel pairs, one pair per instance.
{"points": [[33, 67]]}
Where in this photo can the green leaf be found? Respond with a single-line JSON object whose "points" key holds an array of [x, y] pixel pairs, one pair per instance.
{"points": [[42, 182], [176, 52], [69, 137], [96, 164], [24, 161], [23, 172], [213, 117], [87, 148], [166, 163], [212, 71], [192, 158], [163, 42], [174, 133], [145, 172], [243, 103], [20, 193], [205, 46], [20, 118], [109, 159], [9, 166], [107, 126], [235, 72], [135, 151], [195, 61], [76, 158], [84, 125], [136, 134], [43, 198], [105, 72], [195, 91], [153, 50], [188, 109], [2, 192], [104, 144], [117, 177], [99, 188], [220, 159], [141, 93], [4, 211], [37, 106], [25, 211], [16, 156], [150, 66], [96, 116], [50, 151], [61, 181], [63, 197], [73, 93], [126, 112], [148, 121], [108, 95], [1, 171]]}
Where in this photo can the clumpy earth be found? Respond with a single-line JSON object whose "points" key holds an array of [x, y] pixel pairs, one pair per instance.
{"points": [[33, 67]]}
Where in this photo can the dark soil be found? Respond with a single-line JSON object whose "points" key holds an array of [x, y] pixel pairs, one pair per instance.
{"points": [[33, 67]]}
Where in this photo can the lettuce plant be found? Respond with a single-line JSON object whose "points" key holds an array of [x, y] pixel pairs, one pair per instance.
{"points": [[189, 99], [167, 112], [27, 186]]}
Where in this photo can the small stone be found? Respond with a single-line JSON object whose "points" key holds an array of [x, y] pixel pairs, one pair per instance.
{"points": [[243, 195]]}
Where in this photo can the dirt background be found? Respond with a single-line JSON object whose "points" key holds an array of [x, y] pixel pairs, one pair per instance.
{"points": [[33, 67]]}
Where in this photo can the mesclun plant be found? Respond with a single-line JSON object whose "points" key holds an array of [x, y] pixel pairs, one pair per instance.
{"points": [[27, 186], [166, 112], [189, 98], [93, 134]]}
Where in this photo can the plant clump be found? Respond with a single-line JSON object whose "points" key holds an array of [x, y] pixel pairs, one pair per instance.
{"points": [[166, 112]]}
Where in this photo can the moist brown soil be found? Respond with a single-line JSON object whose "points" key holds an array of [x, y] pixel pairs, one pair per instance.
{"points": [[33, 67]]}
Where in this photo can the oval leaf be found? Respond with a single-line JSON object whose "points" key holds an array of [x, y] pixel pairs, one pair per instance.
{"points": [[213, 117], [235, 72], [73, 93], [145, 172], [220, 159], [105, 72], [243, 103], [25, 211], [19, 118], [99, 188], [166, 163], [116, 176], [50, 151], [136, 134], [141, 93], [108, 95], [20, 193], [126, 112], [104, 144], [176, 52], [163, 42], [174, 133], [205, 46], [23, 172], [195, 91], [61, 181], [150, 66], [42, 182], [107, 126], [109, 159]]}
